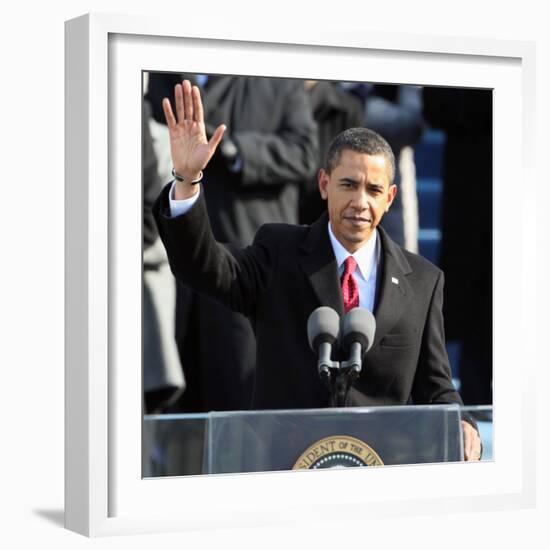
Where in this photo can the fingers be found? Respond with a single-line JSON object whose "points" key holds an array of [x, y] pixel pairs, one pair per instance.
{"points": [[216, 138], [472, 443], [197, 103], [167, 108], [187, 101], [178, 96], [467, 440], [468, 447]]}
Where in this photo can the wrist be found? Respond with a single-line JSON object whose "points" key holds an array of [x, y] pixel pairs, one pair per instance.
{"points": [[184, 191], [187, 177]]}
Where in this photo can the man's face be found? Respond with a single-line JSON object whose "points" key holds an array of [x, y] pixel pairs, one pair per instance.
{"points": [[359, 192]]}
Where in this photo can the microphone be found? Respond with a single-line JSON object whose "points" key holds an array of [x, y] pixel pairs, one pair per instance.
{"points": [[323, 327], [357, 333]]}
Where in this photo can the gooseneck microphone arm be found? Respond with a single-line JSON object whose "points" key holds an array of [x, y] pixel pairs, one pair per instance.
{"points": [[324, 364], [326, 367], [355, 361], [323, 327], [355, 332], [348, 374]]}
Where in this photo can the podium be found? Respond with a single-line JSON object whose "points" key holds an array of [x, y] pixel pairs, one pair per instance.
{"points": [[261, 441]]}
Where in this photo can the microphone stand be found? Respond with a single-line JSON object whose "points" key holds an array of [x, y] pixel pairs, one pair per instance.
{"points": [[327, 370], [339, 377], [347, 374]]}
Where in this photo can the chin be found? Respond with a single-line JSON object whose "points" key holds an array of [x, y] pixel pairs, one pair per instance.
{"points": [[355, 241], [360, 236]]}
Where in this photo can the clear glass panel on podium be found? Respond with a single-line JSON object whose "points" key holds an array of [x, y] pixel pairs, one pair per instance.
{"points": [[256, 441]]}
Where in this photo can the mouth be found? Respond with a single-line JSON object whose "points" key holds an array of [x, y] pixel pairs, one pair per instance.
{"points": [[357, 221]]}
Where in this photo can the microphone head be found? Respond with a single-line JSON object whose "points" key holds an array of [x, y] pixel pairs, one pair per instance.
{"points": [[358, 325], [323, 325]]}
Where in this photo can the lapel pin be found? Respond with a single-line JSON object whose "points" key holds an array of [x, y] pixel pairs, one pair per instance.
{"points": [[394, 281]]}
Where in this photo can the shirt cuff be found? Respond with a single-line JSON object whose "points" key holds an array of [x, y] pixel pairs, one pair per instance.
{"points": [[180, 207]]}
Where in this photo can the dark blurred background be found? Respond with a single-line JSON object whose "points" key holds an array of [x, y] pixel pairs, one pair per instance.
{"points": [[265, 171]]}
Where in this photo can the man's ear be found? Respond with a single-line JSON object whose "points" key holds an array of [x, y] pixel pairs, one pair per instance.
{"points": [[322, 179], [392, 191]]}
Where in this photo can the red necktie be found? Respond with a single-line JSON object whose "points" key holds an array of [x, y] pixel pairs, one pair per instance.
{"points": [[350, 290]]}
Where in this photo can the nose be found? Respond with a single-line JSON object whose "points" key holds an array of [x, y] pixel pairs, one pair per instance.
{"points": [[360, 200]]}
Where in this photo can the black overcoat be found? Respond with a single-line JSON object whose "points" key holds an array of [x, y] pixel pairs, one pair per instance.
{"points": [[287, 273]]}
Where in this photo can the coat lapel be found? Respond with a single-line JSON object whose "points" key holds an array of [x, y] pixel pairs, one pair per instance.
{"points": [[319, 265], [395, 291]]}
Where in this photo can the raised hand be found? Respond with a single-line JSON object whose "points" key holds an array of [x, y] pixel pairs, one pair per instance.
{"points": [[189, 148]]}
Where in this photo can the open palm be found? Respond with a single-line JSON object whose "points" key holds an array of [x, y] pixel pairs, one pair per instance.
{"points": [[189, 147]]}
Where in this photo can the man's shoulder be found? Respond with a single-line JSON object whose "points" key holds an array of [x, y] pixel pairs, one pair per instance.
{"points": [[282, 232], [420, 263], [410, 261], [421, 274]]}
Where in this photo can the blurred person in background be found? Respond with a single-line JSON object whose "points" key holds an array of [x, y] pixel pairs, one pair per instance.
{"points": [[162, 374], [395, 112], [466, 117], [334, 110], [268, 152]]}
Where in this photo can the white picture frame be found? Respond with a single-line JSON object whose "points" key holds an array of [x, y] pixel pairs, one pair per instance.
{"points": [[105, 495]]}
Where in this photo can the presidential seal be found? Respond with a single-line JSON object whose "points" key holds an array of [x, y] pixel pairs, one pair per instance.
{"points": [[339, 451]]}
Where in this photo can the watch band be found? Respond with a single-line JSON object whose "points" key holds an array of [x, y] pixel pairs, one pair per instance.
{"points": [[177, 177]]}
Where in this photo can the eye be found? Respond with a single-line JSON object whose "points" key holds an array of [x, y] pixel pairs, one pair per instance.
{"points": [[348, 184]]}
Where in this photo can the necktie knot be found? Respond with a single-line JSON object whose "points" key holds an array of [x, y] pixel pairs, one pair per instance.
{"points": [[350, 289], [349, 265]]}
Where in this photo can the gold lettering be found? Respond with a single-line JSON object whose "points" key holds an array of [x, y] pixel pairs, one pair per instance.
{"points": [[371, 459], [356, 449]]}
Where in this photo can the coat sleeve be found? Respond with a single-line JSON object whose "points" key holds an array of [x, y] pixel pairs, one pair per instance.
{"points": [[235, 277], [433, 381], [287, 155], [400, 121]]}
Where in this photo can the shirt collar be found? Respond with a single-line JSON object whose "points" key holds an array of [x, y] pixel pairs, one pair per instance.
{"points": [[366, 257]]}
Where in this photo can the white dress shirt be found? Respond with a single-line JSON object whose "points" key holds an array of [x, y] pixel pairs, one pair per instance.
{"points": [[367, 266], [177, 208], [367, 256]]}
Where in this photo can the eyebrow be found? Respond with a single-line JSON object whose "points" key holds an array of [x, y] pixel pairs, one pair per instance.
{"points": [[348, 180], [375, 185], [370, 184]]}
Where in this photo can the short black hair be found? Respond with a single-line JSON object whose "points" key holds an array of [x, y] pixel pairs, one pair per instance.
{"points": [[360, 140]]}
